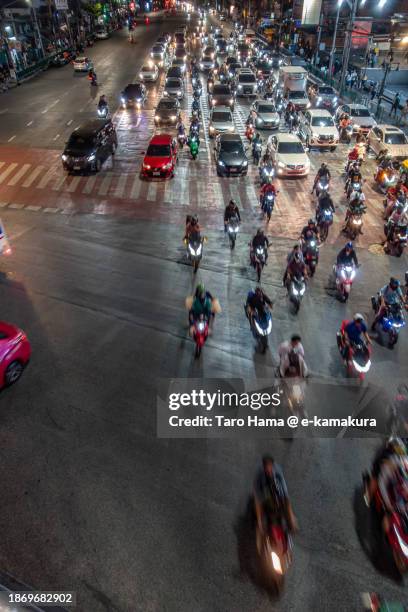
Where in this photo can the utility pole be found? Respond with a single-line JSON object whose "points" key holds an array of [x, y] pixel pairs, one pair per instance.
{"points": [[387, 69], [38, 29], [333, 49], [348, 42], [319, 36]]}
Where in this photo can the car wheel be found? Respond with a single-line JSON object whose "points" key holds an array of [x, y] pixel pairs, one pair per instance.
{"points": [[98, 165], [13, 372]]}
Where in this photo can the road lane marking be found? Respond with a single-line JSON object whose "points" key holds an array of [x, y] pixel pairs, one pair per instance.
{"points": [[104, 188], [16, 207], [8, 171], [121, 186], [44, 111], [74, 184], [19, 174], [50, 210], [29, 123], [53, 104], [12, 138], [135, 191], [3, 111], [46, 178], [90, 183], [151, 192], [70, 121], [31, 178], [56, 137], [33, 208], [59, 183]]}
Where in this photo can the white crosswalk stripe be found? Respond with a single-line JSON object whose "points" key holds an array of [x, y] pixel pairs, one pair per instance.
{"points": [[46, 178], [74, 184], [151, 192], [18, 175], [7, 172], [136, 186], [90, 184], [32, 176], [106, 181]]}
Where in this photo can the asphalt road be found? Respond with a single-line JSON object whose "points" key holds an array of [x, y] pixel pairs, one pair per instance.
{"points": [[92, 499]]}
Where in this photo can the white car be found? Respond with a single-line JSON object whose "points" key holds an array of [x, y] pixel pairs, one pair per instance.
{"points": [[300, 99], [360, 116], [221, 120], [289, 155], [82, 64], [318, 129], [149, 73], [265, 114], [389, 138], [102, 34]]}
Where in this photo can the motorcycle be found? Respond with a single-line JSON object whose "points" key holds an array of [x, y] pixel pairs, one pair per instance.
{"points": [[232, 230], [200, 334], [267, 203], [197, 89], [358, 361], [266, 174], [275, 548], [250, 132], [386, 178], [256, 152], [103, 111], [354, 224], [194, 147], [397, 534], [261, 327], [392, 321], [399, 239], [258, 260], [195, 250], [311, 255], [344, 276], [324, 221], [322, 186], [181, 139], [355, 187], [296, 291]]}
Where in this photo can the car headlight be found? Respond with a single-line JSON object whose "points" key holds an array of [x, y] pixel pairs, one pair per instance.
{"points": [[157, 117], [245, 163], [167, 166], [123, 100], [64, 157], [179, 92], [231, 128], [281, 165], [91, 157], [259, 119], [151, 54], [165, 93], [141, 76], [335, 100], [319, 99], [220, 162], [308, 105], [239, 86], [212, 129], [146, 166], [173, 117]]}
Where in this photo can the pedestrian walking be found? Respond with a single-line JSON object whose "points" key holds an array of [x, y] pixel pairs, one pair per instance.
{"points": [[396, 103]]}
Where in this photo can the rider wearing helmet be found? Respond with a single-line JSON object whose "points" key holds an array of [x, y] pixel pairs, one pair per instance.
{"points": [[231, 211], [389, 295], [323, 172], [202, 304], [259, 240], [296, 267], [257, 301], [310, 231], [347, 256], [192, 226]]}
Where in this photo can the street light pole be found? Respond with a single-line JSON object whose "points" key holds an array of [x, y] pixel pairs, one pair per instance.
{"points": [[347, 46], [333, 49], [37, 29], [319, 36]]}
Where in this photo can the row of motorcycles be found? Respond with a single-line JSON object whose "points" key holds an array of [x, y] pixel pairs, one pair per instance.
{"points": [[192, 140]]}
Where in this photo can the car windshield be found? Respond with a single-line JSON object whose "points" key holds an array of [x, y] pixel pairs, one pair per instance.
{"points": [[133, 90], [157, 49], [289, 148], [79, 142], [232, 146], [222, 116], [395, 139], [174, 72], [158, 150], [247, 78], [167, 105], [297, 95], [221, 90], [173, 83], [178, 62], [326, 91], [266, 108], [322, 121], [360, 112], [147, 69]]}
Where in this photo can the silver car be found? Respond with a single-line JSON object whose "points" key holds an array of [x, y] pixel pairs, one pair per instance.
{"points": [[265, 115], [221, 121], [149, 73], [173, 88]]}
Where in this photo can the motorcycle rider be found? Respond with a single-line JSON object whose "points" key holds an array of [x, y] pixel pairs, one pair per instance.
{"points": [[394, 194], [354, 332], [296, 268], [231, 211], [394, 447], [257, 301], [259, 240], [309, 231], [389, 295], [399, 217], [322, 173], [292, 358], [271, 498], [256, 147], [344, 122], [296, 251], [347, 256], [92, 76], [353, 156], [195, 106], [202, 305], [102, 103], [324, 203], [393, 486], [192, 226], [354, 208], [194, 125], [181, 129]]}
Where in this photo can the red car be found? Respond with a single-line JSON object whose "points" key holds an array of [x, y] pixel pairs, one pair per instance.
{"points": [[15, 352], [160, 158]]}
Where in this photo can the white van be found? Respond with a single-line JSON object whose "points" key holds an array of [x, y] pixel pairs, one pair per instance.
{"points": [[294, 78], [249, 36]]}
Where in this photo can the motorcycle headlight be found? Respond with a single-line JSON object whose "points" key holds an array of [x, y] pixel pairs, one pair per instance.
{"points": [[302, 290], [212, 129], [335, 100], [173, 117], [295, 291], [157, 117], [319, 99], [123, 100], [91, 157], [312, 243]]}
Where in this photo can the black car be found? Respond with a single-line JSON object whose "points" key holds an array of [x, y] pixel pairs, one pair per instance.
{"points": [[230, 155], [89, 146], [175, 72], [221, 95], [263, 68], [167, 112], [233, 69], [276, 59], [134, 94]]}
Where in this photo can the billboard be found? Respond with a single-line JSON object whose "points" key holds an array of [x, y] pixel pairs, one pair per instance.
{"points": [[311, 12], [360, 34]]}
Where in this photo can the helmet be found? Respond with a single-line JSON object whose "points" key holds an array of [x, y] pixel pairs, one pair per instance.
{"points": [[358, 317], [349, 246], [297, 257], [200, 289], [259, 232], [311, 222], [231, 203], [323, 165], [394, 283]]}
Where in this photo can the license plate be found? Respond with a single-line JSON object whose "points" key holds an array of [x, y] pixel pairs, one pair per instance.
{"points": [[234, 170], [156, 173], [77, 167]]}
